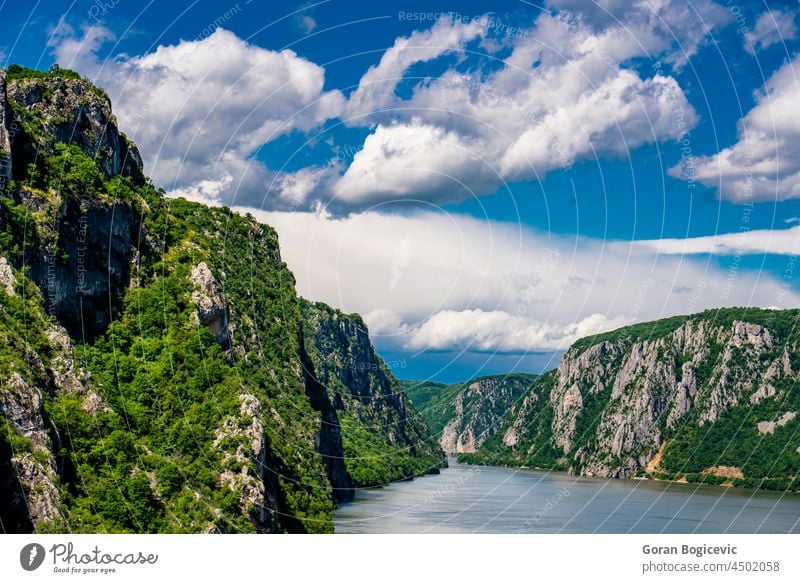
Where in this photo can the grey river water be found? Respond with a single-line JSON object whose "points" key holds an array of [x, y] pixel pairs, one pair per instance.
{"points": [[465, 499]]}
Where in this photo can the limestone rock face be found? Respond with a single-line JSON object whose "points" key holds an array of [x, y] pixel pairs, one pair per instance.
{"points": [[80, 256], [7, 128], [211, 309], [245, 468], [361, 389], [478, 409], [32, 478], [73, 111], [6, 277], [611, 405]]}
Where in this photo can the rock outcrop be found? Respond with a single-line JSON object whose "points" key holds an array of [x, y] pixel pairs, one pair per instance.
{"points": [[211, 309], [34, 496], [80, 254], [68, 111], [379, 425], [617, 401], [466, 414]]}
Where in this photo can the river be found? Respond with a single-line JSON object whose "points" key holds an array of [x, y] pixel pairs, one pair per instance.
{"points": [[464, 499]]}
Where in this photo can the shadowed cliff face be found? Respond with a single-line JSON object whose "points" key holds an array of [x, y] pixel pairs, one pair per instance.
{"points": [[79, 247], [14, 515], [384, 438], [83, 262], [53, 111], [329, 438]]}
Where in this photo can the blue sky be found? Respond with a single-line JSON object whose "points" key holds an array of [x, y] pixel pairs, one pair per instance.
{"points": [[484, 182]]}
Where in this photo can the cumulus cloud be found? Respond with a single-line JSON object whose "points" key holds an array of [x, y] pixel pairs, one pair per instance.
{"points": [[200, 109], [499, 331], [407, 160], [376, 89], [675, 28], [440, 281], [562, 95], [772, 27], [564, 92], [764, 164], [762, 241]]}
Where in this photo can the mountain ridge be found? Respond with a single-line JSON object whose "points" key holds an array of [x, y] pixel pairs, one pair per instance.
{"points": [[709, 397], [159, 372]]}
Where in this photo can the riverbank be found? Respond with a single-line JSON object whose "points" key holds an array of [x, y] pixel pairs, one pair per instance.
{"points": [[489, 499]]}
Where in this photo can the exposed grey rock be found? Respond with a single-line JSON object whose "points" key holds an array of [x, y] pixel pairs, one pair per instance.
{"points": [[769, 426], [74, 112], [651, 386], [6, 129], [212, 311], [67, 376], [6, 277], [33, 467], [478, 409], [244, 468]]}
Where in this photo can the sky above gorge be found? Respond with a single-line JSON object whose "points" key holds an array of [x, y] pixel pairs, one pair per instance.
{"points": [[484, 182]]}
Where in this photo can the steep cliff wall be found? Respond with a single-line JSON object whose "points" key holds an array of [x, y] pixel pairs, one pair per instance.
{"points": [[384, 438], [679, 398], [464, 415]]}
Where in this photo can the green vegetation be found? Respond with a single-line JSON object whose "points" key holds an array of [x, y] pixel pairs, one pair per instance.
{"points": [[433, 400], [734, 440], [535, 449], [436, 401], [784, 323], [14, 72], [384, 438], [694, 445], [163, 426]]}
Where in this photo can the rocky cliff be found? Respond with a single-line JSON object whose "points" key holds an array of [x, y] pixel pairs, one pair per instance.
{"points": [[52, 125], [158, 372], [711, 397], [384, 438], [464, 415]]}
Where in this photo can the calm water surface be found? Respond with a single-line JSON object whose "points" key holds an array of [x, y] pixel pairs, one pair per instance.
{"points": [[466, 499]]}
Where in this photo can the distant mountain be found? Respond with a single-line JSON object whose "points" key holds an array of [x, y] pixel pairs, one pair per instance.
{"points": [[465, 414], [712, 397], [158, 371]]}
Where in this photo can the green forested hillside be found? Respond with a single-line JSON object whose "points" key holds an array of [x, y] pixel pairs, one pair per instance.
{"points": [[463, 415], [711, 397], [158, 372]]}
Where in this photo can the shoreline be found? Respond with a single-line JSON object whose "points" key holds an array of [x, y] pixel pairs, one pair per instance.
{"points": [[727, 485]]}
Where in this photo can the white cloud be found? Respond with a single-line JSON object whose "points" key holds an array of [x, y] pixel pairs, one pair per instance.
{"points": [[404, 161], [78, 52], [772, 27], [306, 23], [198, 110], [676, 28], [562, 95], [764, 164], [444, 281], [499, 331], [376, 89], [778, 242]]}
